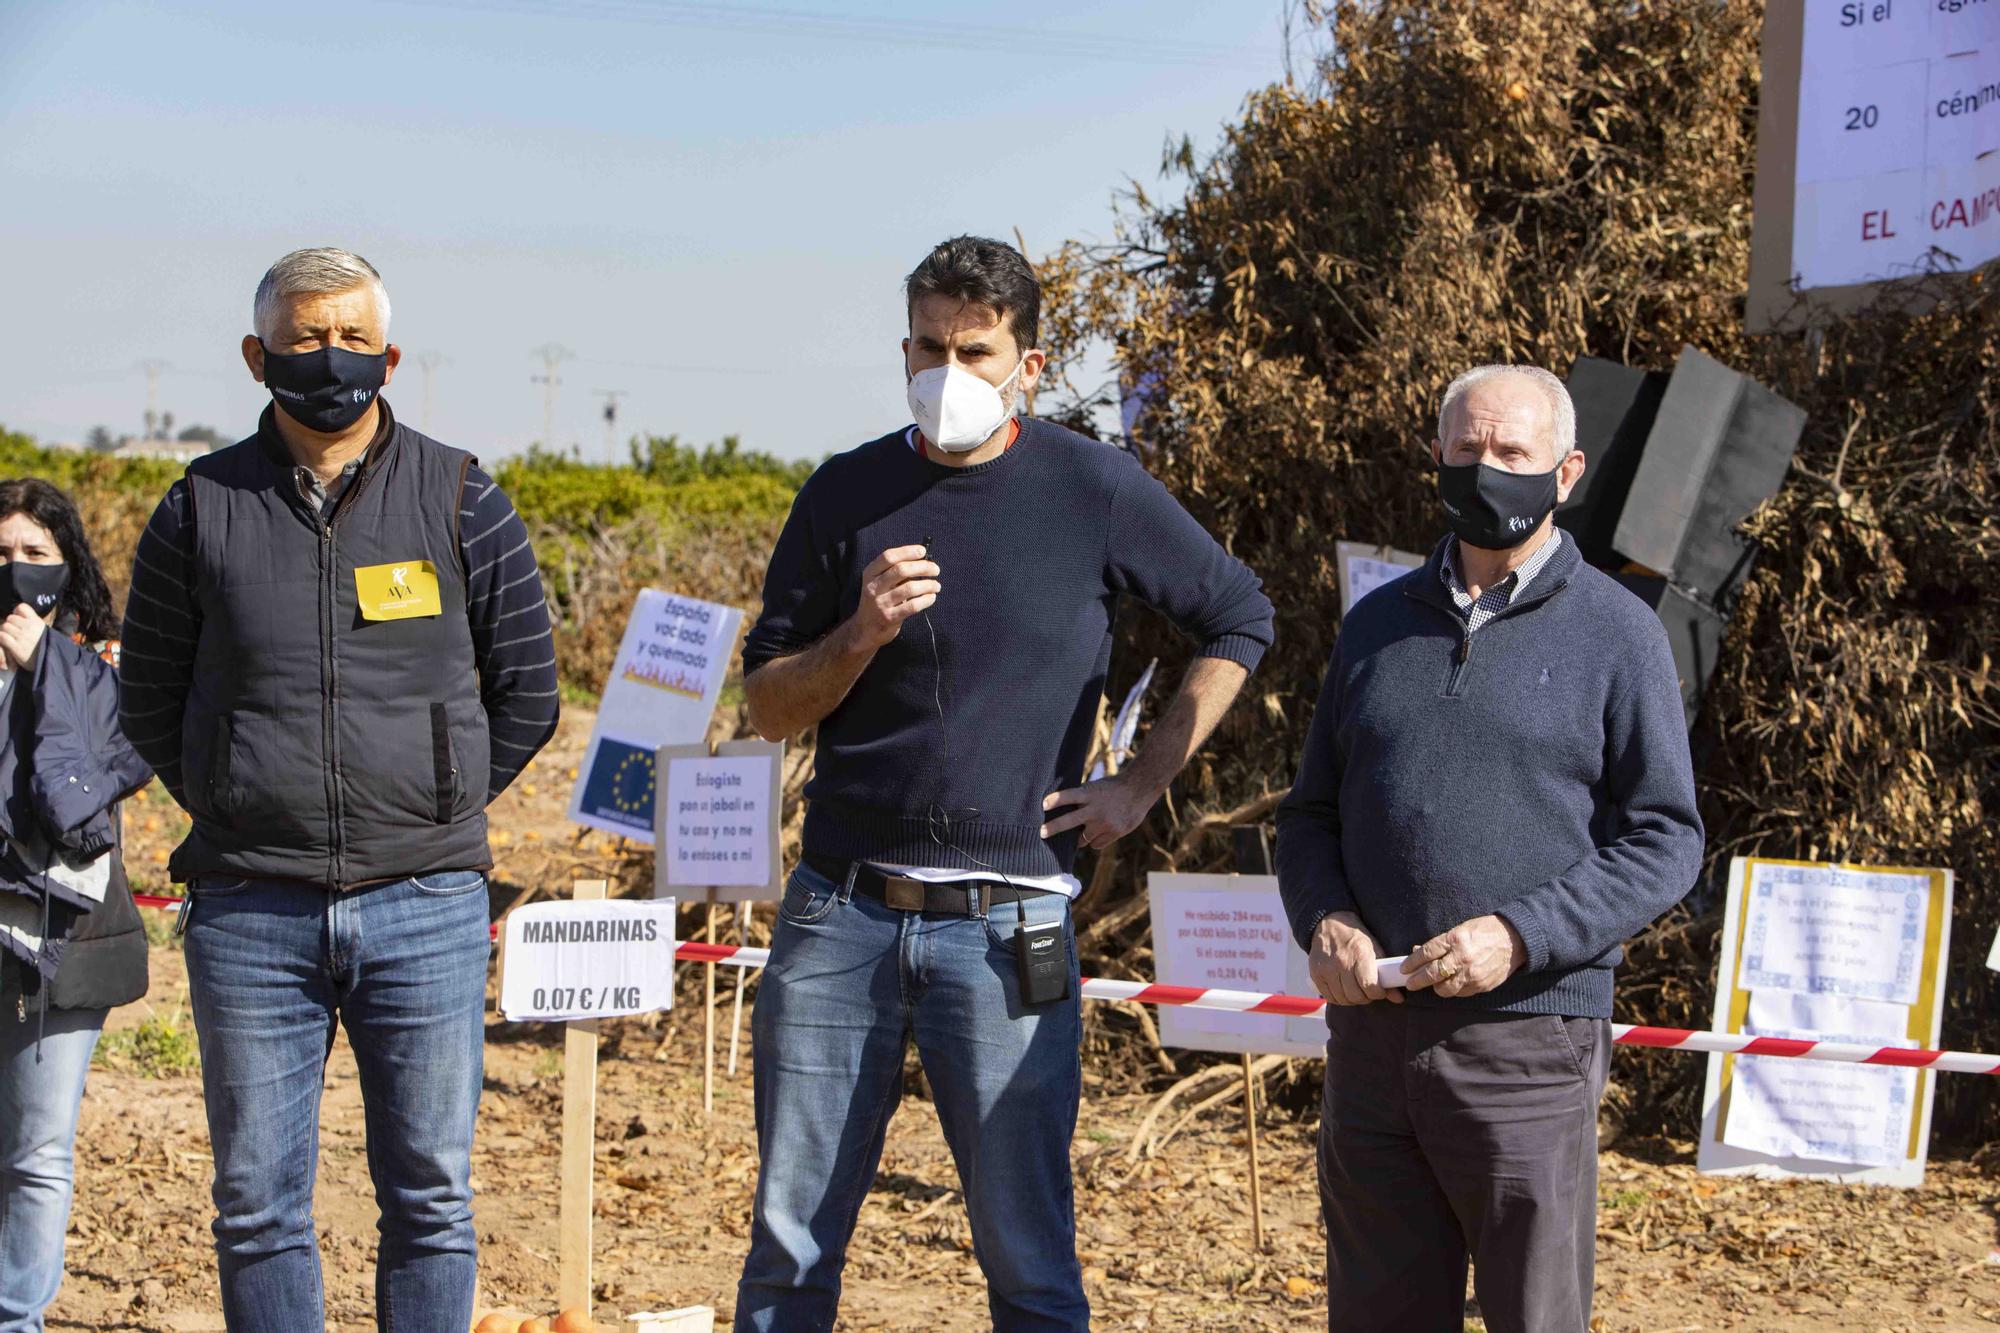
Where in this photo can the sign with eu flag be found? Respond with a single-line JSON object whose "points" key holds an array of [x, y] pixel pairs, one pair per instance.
{"points": [[661, 691]]}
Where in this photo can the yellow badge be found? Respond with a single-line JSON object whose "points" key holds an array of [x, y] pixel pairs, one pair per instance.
{"points": [[401, 591]]}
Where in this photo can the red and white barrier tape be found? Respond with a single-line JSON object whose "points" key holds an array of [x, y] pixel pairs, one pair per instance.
{"points": [[1300, 1006]]}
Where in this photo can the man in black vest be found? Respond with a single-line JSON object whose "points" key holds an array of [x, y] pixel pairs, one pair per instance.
{"points": [[337, 654]]}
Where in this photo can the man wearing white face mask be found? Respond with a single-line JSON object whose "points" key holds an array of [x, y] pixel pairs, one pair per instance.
{"points": [[940, 604]]}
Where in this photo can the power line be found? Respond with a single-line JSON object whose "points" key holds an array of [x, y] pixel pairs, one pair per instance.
{"points": [[610, 397], [769, 20], [153, 366], [552, 355], [666, 369], [428, 362]]}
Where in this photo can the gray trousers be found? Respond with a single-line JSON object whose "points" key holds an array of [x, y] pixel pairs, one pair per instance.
{"points": [[1447, 1134]]}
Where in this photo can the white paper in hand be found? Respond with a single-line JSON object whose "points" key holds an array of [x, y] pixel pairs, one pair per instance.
{"points": [[1389, 972]]}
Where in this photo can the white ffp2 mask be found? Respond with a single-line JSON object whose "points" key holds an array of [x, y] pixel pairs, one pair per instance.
{"points": [[955, 409]]}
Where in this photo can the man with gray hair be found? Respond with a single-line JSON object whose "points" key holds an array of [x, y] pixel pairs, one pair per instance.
{"points": [[337, 654], [1496, 784]]}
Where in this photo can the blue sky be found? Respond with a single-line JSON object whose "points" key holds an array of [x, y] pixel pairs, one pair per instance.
{"points": [[711, 205]]}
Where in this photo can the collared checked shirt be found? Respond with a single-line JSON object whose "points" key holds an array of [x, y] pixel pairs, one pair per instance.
{"points": [[1492, 601], [323, 496]]}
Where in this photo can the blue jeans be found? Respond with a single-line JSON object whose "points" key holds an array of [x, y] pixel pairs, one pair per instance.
{"points": [[272, 966], [850, 983], [38, 1106]]}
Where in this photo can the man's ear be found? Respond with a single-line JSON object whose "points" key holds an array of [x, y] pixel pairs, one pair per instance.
{"points": [[1032, 365], [393, 357], [1437, 453], [1568, 473], [253, 356], [906, 361]]}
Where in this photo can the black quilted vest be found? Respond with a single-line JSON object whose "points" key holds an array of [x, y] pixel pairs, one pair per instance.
{"points": [[317, 745]]}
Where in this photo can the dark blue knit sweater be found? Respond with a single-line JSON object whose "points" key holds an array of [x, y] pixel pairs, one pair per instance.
{"points": [[1035, 547], [1537, 769]]}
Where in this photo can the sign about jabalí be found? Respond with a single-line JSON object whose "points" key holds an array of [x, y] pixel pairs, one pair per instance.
{"points": [[662, 690]]}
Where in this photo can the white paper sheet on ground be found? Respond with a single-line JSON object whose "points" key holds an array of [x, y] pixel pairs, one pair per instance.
{"points": [[1829, 930], [1858, 1114]]}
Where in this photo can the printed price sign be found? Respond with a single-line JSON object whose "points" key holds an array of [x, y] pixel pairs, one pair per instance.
{"points": [[1229, 932], [576, 960]]}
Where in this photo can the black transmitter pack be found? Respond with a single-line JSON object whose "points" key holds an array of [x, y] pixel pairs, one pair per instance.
{"points": [[1044, 963]]}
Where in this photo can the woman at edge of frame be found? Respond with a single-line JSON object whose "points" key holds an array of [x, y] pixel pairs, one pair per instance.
{"points": [[72, 946]]}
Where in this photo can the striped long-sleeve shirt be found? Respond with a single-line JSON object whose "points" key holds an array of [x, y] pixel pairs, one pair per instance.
{"points": [[512, 646]]}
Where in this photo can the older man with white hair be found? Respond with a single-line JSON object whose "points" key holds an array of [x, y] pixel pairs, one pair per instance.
{"points": [[1497, 784], [337, 653]]}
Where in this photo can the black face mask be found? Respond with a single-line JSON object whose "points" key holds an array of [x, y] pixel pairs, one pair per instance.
{"points": [[37, 587], [1492, 508], [327, 389]]}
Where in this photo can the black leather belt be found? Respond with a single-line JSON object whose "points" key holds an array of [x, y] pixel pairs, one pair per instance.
{"points": [[910, 895]]}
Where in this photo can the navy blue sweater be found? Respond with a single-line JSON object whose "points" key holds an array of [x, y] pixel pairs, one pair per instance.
{"points": [[985, 703], [1537, 769]]}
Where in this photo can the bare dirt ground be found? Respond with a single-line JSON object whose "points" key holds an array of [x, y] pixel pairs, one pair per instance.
{"points": [[1166, 1239]]}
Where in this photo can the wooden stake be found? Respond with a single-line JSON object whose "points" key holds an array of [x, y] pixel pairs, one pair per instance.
{"points": [[579, 1134], [736, 1016], [1256, 1180], [708, 1022]]}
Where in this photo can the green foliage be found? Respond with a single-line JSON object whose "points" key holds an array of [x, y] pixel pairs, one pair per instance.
{"points": [[667, 481], [74, 469], [664, 458], [162, 1046]]}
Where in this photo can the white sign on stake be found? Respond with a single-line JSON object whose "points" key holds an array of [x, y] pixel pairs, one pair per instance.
{"points": [[1229, 931], [661, 691], [576, 960], [1362, 569], [1821, 952], [718, 826]]}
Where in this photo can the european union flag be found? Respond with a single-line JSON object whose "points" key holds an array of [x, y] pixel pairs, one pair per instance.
{"points": [[621, 785]]}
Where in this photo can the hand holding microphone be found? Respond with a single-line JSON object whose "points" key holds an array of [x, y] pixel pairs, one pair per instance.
{"points": [[898, 584]]}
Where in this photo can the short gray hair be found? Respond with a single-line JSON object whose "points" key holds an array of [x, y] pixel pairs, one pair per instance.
{"points": [[1560, 405], [323, 268]]}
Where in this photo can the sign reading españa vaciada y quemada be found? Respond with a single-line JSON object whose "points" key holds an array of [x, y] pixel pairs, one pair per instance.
{"points": [[661, 691]]}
